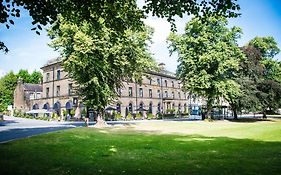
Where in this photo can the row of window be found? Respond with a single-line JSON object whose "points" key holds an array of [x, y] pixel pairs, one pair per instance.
{"points": [[166, 94], [70, 90], [165, 83], [58, 76], [129, 108]]}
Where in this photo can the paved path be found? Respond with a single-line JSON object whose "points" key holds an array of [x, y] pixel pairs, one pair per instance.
{"points": [[14, 128]]}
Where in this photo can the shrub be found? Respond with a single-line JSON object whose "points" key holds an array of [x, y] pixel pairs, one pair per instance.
{"points": [[84, 112], [72, 112], [150, 116], [55, 116], [129, 117], [171, 111], [119, 117], [138, 116]]}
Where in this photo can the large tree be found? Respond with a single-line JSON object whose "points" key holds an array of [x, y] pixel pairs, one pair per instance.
{"points": [[100, 59], [208, 57], [45, 12], [249, 73], [7, 87], [269, 84]]}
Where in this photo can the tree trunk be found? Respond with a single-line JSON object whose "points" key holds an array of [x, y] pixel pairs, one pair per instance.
{"points": [[100, 122], [209, 108], [264, 115], [235, 116]]}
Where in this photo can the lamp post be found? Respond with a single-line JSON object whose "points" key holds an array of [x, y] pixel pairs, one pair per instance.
{"points": [[161, 86], [136, 87], [53, 99]]}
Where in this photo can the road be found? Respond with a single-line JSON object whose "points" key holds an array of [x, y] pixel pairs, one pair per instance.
{"points": [[14, 128]]}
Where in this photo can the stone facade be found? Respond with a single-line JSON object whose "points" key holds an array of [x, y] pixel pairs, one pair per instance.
{"points": [[159, 92], [25, 94]]}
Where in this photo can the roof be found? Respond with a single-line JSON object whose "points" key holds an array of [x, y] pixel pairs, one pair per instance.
{"points": [[33, 87], [161, 72], [53, 61]]}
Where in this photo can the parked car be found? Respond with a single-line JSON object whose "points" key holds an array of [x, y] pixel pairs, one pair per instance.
{"points": [[195, 114]]}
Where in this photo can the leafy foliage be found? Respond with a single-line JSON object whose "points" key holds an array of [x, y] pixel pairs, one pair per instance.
{"points": [[266, 45], [7, 87], [45, 12], [208, 58], [269, 94], [100, 59]]}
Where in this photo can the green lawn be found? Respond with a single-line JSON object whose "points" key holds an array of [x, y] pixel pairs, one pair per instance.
{"points": [[150, 148]]}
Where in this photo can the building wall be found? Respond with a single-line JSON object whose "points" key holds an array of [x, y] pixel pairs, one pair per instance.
{"points": [[19, 98], [154, 81], [23, 98]]}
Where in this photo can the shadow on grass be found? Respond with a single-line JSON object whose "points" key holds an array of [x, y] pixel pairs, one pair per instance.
{"points": [[250, 120], [18, 133], [83, 151]]}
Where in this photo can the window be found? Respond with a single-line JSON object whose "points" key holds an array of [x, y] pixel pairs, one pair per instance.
{"points": [[150, 93], [47, 77], [179, 107], [158, 81], [118, 108], [179, 95], [158, 94], [58, 91], [130, 91], [150, 108], [173, 85], [47, 92], [166, 94], [159, 107], [70, 88], [166, 83], [130, 108], [179, 85], [173, 95], [141, 105], [58, 74], [141, 92], [150, 81]]}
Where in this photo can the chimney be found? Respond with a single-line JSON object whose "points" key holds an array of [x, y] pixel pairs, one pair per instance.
{"points": [[20, 81], [162, 66]]}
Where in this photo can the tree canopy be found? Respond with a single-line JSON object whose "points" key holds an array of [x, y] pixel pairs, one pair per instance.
{"points": [[259, 76], [208, 58], [100, 59], [45, 12]]}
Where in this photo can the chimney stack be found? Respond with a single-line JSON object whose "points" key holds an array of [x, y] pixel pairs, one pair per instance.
{"points": [[162, 66]]}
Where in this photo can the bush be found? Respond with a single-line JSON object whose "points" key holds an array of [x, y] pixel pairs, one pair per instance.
{"points": [[129, 117], [55, 116], [72, 112], [150, 116], [138, 116], [84, 112], [119, 117], [171, 111]]}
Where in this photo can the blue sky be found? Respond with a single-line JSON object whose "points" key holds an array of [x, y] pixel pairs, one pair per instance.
{"points": [[30, 51]]}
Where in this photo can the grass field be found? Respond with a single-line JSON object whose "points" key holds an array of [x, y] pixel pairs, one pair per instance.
{"points": [[221, 147]]}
